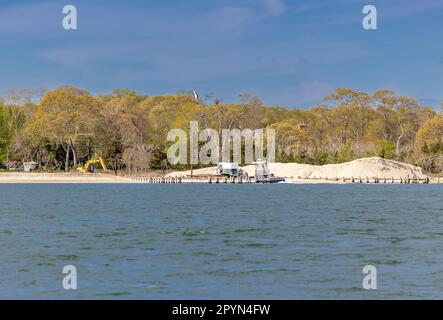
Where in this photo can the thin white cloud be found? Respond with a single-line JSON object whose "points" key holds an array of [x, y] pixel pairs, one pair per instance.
{"points": [[228, 17], [236, 16], [85, 56], [275, 7]]}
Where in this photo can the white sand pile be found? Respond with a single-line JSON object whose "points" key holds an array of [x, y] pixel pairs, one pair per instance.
{"points": [[366, 167]]}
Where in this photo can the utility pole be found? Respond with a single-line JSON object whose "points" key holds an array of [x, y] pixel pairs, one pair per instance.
{"points": [[203, 116]]}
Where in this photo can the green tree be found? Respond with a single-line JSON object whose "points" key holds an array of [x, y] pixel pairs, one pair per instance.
{"points": [[6, 129], [65, 117]]}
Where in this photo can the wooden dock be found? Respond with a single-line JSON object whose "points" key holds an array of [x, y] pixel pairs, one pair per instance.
{"points": [[195, 180], [372, 180]]}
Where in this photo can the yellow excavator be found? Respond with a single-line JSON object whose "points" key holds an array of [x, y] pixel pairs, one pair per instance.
{"points": [[90, 165]]}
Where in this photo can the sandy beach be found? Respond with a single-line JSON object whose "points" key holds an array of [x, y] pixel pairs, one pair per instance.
{"points": [[364, 169], [22, 177]]}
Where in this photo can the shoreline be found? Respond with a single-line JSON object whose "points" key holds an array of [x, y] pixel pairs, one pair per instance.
{"points": [[374, 170], [100, 178], [61, 178]]}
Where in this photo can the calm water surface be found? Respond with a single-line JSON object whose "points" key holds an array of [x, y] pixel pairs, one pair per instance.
{"points": [[221, 241]]}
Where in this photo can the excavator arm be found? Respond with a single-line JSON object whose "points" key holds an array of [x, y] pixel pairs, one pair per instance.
{"points": [[103, 164], [90, 165]]}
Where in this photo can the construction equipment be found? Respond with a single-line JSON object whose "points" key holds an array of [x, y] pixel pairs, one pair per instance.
{"points": [[227, 169], [90, 165], [262, 174], [230, 169]]}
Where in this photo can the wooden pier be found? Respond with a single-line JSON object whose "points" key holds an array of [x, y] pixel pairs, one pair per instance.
{"points": [[372, 180], [196, 180]]}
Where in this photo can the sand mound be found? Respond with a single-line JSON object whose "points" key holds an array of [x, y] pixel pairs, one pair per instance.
{"points": [[366, 167]]}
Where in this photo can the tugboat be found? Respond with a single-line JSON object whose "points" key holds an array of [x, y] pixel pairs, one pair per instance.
{"points": [[262, 174]]}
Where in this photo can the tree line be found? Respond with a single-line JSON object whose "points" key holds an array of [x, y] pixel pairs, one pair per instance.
{"points": [[63, 128]]}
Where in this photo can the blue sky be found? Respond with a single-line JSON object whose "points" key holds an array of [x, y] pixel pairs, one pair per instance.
{"points": [[289, 53]]}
